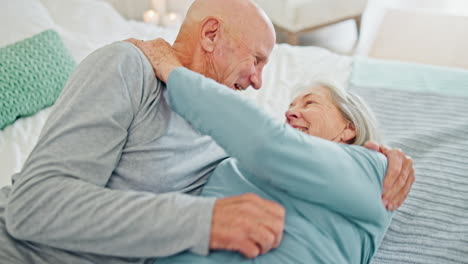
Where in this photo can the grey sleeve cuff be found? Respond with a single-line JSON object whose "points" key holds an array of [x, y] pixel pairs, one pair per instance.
{"points": [[203, 227]]}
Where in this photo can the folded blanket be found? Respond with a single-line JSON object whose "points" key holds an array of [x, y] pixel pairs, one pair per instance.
{"points": [[32, 75], [423, 110], [409, 77]]}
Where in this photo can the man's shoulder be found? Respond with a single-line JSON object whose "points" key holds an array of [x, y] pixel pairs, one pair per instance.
{"points": [[119, 66], [122, 57], [120, 51]]}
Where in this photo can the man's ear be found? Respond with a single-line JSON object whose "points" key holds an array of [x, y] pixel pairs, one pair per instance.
{"points": [[349, 133], [210, 33]]}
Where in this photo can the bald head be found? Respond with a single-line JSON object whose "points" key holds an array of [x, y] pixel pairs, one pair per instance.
{"points": [[240, 13], [227, 40]]}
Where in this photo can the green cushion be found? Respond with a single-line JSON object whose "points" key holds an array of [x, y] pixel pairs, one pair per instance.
{"points": [[411, 77], [32, 75]]}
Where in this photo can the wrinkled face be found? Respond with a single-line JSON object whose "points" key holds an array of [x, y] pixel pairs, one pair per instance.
{"points": [[240, 58], [314, 113]]}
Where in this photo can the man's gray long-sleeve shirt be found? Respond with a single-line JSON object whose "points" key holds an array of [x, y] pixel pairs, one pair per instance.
{"points": [[106, 174]]}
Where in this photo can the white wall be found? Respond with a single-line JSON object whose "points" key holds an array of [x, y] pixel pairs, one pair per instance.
{"points": [[133, 9], [180, 6]]}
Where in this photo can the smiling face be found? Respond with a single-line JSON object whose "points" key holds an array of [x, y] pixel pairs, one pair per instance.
{"points": [[315, 113], [239, 60], [228, 41]]}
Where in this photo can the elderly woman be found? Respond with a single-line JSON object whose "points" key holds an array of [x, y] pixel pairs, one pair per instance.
{"points": [[314, 166]]}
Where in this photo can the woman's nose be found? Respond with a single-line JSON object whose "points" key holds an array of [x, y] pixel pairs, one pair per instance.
{"points": [[291, 114]]}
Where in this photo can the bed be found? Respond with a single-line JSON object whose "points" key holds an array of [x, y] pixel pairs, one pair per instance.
{"points": [[421, 109]]}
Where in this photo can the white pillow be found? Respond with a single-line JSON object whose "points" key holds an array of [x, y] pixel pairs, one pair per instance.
{"points": [[20, 19], [16, 143], [86, 25]]}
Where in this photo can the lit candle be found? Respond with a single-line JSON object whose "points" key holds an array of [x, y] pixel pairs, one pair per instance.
{"points": [[172, 20], [159, 6], [151, 17]]}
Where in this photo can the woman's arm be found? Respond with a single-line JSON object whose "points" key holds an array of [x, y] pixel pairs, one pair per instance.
{"points": [[344, 178]]}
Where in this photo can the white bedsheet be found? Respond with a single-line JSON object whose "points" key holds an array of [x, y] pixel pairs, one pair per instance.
{"points": [[86, 25]]}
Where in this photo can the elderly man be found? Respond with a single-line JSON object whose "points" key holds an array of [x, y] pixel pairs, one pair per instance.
{"points": [[113, 176]]}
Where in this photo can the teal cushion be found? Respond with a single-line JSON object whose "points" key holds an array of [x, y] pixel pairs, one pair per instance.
{"points": [[32, 75]]}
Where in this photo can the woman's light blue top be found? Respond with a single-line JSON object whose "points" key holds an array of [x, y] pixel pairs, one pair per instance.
{"points": [[331, 191]]}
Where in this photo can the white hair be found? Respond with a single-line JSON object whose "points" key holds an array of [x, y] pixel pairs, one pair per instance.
{"points": [[351, 106]]}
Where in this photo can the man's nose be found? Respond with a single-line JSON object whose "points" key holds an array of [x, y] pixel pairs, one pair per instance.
{"points": [[256, 79]]}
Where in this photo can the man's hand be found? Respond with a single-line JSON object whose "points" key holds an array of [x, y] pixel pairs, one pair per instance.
{"points": [[247, 223], [161, 55], [399, 178]]}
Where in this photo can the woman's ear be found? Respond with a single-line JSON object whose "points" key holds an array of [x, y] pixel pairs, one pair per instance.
{"points": [[210, 33], [349, 133]]}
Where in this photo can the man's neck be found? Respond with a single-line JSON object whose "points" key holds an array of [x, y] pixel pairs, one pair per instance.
{"points": [[193, 58]]}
